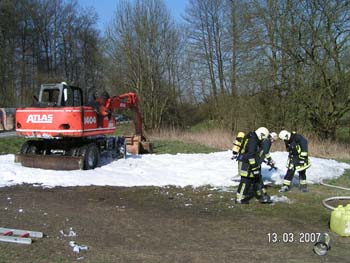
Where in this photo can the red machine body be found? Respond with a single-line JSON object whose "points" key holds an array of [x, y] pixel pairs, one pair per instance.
{"points": [[61, 122], [67, 127]]}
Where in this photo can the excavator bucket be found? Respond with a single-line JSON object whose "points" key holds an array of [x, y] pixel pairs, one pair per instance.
{"points": [[52, 162], [135, 145]]}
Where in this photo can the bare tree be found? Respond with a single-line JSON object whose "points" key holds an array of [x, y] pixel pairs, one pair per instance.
{"points": [[45, 41], [143, 42], [205, 20], [324, 46]]}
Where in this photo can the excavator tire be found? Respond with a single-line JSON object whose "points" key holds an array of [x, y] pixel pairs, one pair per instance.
{"points": [[91, 156], [29, 147]]}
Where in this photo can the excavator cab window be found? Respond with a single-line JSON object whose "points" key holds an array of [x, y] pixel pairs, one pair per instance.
{"points": [[60, 95], [72, 96], [50, 97]]}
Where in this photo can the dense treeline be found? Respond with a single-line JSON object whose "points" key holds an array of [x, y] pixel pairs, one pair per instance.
{"points": [[45, 41], [237, 63]]}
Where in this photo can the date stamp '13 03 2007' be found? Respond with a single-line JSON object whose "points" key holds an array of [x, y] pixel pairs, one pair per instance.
{"points": [[290, 237]]}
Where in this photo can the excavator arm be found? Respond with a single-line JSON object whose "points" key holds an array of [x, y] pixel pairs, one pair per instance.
{"points": [[136, 143], [127, 101]]}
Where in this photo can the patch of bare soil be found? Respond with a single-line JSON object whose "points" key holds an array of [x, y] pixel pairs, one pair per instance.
{"points": [[151, 224]]}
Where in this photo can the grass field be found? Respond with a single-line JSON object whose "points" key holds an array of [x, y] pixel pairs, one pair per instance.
{"points": [[166, 224], [10, 145]]}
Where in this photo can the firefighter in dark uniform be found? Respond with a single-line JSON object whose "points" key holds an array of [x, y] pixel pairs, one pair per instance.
{"points": [[298, 160], [249, 167], [265, 156]]}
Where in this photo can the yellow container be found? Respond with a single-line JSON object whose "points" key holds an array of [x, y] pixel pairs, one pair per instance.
{"points": [[340, 220], [238, 142]]}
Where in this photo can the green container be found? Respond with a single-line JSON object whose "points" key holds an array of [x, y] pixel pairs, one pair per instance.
{"points": [[340, 220]]}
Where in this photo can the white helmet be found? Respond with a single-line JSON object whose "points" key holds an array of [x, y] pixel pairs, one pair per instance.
{"points": [[284, 135], [262, 133], [273, 136]]}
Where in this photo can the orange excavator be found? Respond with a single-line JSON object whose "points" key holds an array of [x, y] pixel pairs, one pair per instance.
{"points": [[68, 134]]}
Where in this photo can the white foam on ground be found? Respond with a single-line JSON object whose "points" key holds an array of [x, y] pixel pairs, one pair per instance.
{"points": [[215, 169]]}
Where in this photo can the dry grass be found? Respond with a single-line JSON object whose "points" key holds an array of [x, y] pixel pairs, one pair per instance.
{"points": [[328, 149], [222, 140], [217, 138]]}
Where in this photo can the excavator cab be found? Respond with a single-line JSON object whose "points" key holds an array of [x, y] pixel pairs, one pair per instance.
{"points": [[60, 95]]}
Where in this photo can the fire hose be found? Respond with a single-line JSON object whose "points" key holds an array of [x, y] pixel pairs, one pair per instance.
{"points": [[324, 202]]}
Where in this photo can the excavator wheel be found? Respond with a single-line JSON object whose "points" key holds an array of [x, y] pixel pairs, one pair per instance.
{"points": [[91, 156], [74, 151], [29, 147]]}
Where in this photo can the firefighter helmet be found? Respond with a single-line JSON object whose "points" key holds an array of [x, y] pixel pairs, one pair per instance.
{"points": [[273, 136], [284, 135], [262, 133]]}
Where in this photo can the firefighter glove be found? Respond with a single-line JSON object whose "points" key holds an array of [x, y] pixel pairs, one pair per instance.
{"points": [[271, 162], [234, 155]]}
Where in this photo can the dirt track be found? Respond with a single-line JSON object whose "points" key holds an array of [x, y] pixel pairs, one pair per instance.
{"points": [[152, 225]]}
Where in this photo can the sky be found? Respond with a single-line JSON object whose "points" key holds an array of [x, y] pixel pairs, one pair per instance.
{"points": [[215, 169], [106, 9]]}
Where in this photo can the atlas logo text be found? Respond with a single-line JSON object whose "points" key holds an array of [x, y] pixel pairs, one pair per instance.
{"points": [[40, 118]]}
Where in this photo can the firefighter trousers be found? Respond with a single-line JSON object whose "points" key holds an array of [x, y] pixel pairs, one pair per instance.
{"points": [[248, 188], [290, 174]]}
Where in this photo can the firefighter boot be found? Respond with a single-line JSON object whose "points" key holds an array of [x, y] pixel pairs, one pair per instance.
{"points": [[303, 188], [265, 199], [284, 188], [242, 201]]}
